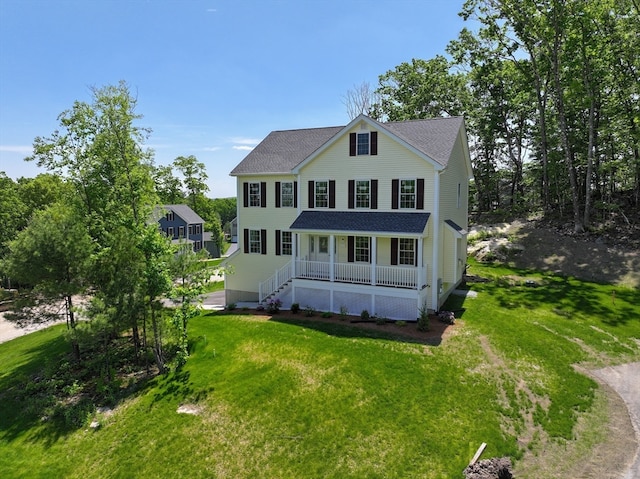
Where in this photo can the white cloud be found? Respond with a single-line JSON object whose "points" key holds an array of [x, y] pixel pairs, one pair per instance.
{"points": [[246, 141], [211, 10], [243, 147], [23, 149], [211, 148]]}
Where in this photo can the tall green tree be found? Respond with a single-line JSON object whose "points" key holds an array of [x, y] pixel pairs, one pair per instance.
{"points": [[194, 176], [53, 254]]}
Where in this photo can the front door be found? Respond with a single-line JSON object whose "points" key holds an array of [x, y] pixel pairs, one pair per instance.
{"points": [[319, 248]]}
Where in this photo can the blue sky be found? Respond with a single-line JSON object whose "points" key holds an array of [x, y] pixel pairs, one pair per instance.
{"points": [[212, 77]]}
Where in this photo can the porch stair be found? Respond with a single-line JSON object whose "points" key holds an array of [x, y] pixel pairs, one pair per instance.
{"points": [[270, 288]]}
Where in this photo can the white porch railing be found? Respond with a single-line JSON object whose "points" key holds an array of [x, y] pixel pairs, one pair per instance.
{"points": [[398, 276], [358, 273]]}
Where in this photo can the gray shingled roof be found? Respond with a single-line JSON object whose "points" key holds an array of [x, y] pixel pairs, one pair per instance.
{"points": [[456, 227], [364, 221], [186, 213], [281, 151]]}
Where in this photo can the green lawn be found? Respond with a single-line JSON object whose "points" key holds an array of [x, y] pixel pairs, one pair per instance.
{"points": [[277, 399]]}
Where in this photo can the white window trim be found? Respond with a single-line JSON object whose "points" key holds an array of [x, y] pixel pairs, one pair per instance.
{"points": [[355, 192], [368, 135], [315, 193], [253, 242]]}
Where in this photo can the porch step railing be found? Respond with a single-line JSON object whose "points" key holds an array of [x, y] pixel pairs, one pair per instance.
{"points": [[270, 286]]}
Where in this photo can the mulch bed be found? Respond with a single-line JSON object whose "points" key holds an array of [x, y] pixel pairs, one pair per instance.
{"points": [[438, 331]]}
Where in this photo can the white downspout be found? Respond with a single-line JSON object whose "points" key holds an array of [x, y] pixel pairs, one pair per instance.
{"points": [[435, 242]]}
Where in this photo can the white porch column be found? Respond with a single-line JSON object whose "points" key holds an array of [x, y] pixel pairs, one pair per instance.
{"points": [[332, 257], [421, 272], [374, 257], [294, 254]]}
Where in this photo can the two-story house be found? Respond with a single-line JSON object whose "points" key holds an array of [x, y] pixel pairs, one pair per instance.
{"points": [[182, 224], [365, 216]]}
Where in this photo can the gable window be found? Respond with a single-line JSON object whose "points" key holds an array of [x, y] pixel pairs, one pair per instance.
{"points": [[322, 194], [408, 194], [286, 194], [363, 143], [170, 216]]}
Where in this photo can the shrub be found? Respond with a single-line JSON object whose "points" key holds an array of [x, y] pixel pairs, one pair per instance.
{"points": [[327, 314], [273, 305], [364, 315], [295, 308], [423, 319], [447, 317], [231, 306], [381, 320], [344, 312], [309, 311], [401, 323]]}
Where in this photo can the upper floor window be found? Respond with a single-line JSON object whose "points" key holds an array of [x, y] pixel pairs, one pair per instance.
{"points": [[322, 194], [190, 230], [408, 194], [254, 194], [363, 193], [170, 216], [286, 194], [363, 143]]}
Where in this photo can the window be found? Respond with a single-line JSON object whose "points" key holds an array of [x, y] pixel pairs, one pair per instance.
{"points": [[362, 249], [406, 251], [362, 144], [170, 216], [322, 194], [363, 194], [408, 194], [197, 246], [254, 241], [254, 194], [286, 243], [170, 232], [286, 194], [181, 232], [190, 230]]}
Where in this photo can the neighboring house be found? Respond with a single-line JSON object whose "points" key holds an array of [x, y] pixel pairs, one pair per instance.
{"points": [[182, 224], [366, 216]]}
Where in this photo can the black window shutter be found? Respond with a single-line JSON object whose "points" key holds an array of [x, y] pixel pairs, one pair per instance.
{"points": [[245, 194], [394, 251], [295, 194], [246, 240], [415, 252], [278, 242], [263, 194], [374, 194], [374, 142], [395, 191], [352, 144], [277, 194], [332, 193], [420, 194], [352, 189], [351, 248], [311, 194], [263, 241]]}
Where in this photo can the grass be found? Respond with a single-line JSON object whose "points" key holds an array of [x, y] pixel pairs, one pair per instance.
{"points": [[293, 399]]}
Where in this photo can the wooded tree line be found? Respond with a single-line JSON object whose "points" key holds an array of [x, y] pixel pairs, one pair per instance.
{"points": [[550, 90], [89, 229]]}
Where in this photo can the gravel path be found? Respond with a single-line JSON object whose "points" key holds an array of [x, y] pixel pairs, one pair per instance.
{"points": [[625, 380]]}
